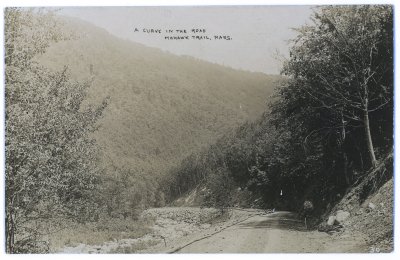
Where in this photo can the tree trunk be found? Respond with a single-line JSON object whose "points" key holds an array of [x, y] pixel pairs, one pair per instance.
{"points": [[344, 155], [10, 228], [369, 139], [345, 170]]}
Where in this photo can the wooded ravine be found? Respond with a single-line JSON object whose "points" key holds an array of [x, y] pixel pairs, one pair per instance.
{"points": [[99, 130]]}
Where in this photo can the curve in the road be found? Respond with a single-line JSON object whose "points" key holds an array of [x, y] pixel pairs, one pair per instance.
{"points": [[279, 232]]}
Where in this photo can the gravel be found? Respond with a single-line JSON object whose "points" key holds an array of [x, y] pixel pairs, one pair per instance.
{"points": [[171, 223]]}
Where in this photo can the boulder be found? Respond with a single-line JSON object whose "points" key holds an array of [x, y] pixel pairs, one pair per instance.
{"points": [[371, 205], [323, 227], [331, 220], [342, 215]]}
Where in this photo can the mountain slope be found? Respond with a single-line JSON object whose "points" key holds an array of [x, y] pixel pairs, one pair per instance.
{"points": [[162, 106]]}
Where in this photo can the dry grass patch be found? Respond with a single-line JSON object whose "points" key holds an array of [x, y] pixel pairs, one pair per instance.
{"points": [[141, 245], [96, 233]]}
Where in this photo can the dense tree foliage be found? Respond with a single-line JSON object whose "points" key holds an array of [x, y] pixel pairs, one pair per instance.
{"points": [[338, 102], [330, 121], [51, 169], [343, 64]]}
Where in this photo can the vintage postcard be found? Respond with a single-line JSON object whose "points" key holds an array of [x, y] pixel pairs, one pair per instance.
{"points": [[199, 129]]}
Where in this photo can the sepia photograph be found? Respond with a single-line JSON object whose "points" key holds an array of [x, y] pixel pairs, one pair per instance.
{"points": [[198, 129]]}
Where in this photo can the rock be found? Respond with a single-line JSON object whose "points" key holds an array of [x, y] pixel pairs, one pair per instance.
{"points": [[341, 216], [371, 205], [323, 227], [360, 212], [331, 220]]}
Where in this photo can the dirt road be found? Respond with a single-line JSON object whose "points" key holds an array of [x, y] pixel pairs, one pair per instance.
{"points": [[279, 232]]}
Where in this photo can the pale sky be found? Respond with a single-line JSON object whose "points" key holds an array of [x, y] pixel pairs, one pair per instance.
{"points": [[258, 32]]}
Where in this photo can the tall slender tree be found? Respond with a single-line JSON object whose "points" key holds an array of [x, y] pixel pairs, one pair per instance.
{"points": [[343, 60]]}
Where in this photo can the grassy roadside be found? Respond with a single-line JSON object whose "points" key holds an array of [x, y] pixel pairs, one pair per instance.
{"points": [[156, 228], [97, 233]]}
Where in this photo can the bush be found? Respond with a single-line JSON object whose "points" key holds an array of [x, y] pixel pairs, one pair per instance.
{"points": [[220, 190]]}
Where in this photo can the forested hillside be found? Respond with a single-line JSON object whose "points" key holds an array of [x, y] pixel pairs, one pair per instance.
{"points": [[99, 128], [328, 126], [162, 107], [131, 113]]}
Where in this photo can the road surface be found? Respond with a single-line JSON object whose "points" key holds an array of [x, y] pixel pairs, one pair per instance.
{"points": [[279, 232]]}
